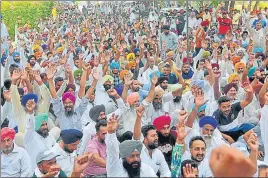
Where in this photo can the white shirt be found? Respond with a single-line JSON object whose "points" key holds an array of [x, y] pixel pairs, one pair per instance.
{"points": [[157, 161], [264, 130], [16, 164], [64, 160], [35, 143], [114, 164], [89, 132], [144, 75]]}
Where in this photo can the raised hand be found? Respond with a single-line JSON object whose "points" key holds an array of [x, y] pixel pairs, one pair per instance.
{"points": [[30, 106], [127, 80], [183, 115], [247, 87], [81, 163], [112, 124], [112, 92], [37, 78], [7, 95], [95, 74], [140, 111], [154, 79], [189, 171], [253, 142], [208, 65], [51, 71], [16, 76], [199, 98], [24, 75], [53, 171], [222, 156], [181, 134]]}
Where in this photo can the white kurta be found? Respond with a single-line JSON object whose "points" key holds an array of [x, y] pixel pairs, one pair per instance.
{"points": [[114, 163], [35, 143], [16, 164], [64, 160]]}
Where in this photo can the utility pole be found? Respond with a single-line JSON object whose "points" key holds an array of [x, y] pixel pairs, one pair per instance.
{"points": [[187, 29]]}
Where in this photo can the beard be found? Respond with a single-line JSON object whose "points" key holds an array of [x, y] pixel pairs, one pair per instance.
{"points": [[208, 140], [157, 105], [7, 150], [32, 64], [164, 87], [133, 171], [69, 112], [153, 145], [67, 149], [17, 60], [136, 89], [199, 155], [43, 133], [177, 99]]}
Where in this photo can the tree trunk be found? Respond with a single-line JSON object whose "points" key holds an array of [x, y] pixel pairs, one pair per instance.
{"points": [[232, 4], [256, 5], [226, 5]]}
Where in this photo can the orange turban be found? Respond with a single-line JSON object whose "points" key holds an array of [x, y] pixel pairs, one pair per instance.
{"points": [[7, 132], [131, 64], [133, 97], [232, 77], [38, 54], [240, 65], [236, 59], [123, 73]]}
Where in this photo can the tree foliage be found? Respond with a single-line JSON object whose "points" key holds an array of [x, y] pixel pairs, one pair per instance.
{"points": [[21, 12]]}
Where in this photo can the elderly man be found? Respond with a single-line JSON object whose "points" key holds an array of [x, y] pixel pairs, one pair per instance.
{"points": [[47, 165], [37, 135], [15, 161], [168, 39], [150, 154], [130, 164], [166, 141], [67, 149]]}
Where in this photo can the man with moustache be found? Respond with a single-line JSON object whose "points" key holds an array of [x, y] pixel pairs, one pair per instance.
{"points": [[15, 161], [150, 154], [129, 163], [37, 135], [166, 141], [97, 147], [197, 147], [135, 87], [33, 64], [66, 149]]}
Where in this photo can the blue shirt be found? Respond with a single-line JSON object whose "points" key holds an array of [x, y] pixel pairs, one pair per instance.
{"points": [[262, 22], [172, 79]]}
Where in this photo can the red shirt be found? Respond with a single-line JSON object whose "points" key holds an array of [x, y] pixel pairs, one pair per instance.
{"points": [[224, 25]]}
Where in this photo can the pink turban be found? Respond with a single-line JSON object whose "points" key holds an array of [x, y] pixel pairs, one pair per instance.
{"points": [[161, 121], [7, 132], [68, 95], [133, 97]]}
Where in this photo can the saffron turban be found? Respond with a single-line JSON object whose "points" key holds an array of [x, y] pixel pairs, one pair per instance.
{"points": [[133, 97], [232, 77], [123, 73], [7, 132], [236, 59], [131, 64], [161, 121], [68, 95], [240, 65]]}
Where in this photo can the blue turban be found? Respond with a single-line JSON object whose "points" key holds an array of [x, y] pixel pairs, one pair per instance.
{"points": [[208, 120], [136, 50], [16, 54], [27, 97], [203, 107], [157, 73], [71, 136], [3, 58], [44, 46], [251, 71], [114, 65], [258, 50], [78, 49], [199, 83]]}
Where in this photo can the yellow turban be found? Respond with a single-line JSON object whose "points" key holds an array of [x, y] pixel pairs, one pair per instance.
{"points": [[107, 78], [131, 64], [38, 42], [133, 97], [170, 53], [206, 54], [232, 77], [240, 65], [131, 55], [84, 29], [158, 92], [36, 47], [236, 59], [60, 49], [123, 73]]}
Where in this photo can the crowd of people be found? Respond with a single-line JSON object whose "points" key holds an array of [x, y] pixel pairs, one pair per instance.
{"points": [[112, 93]]}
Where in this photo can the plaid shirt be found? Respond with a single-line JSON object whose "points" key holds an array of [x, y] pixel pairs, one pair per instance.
{"points": [[116, 80]]}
